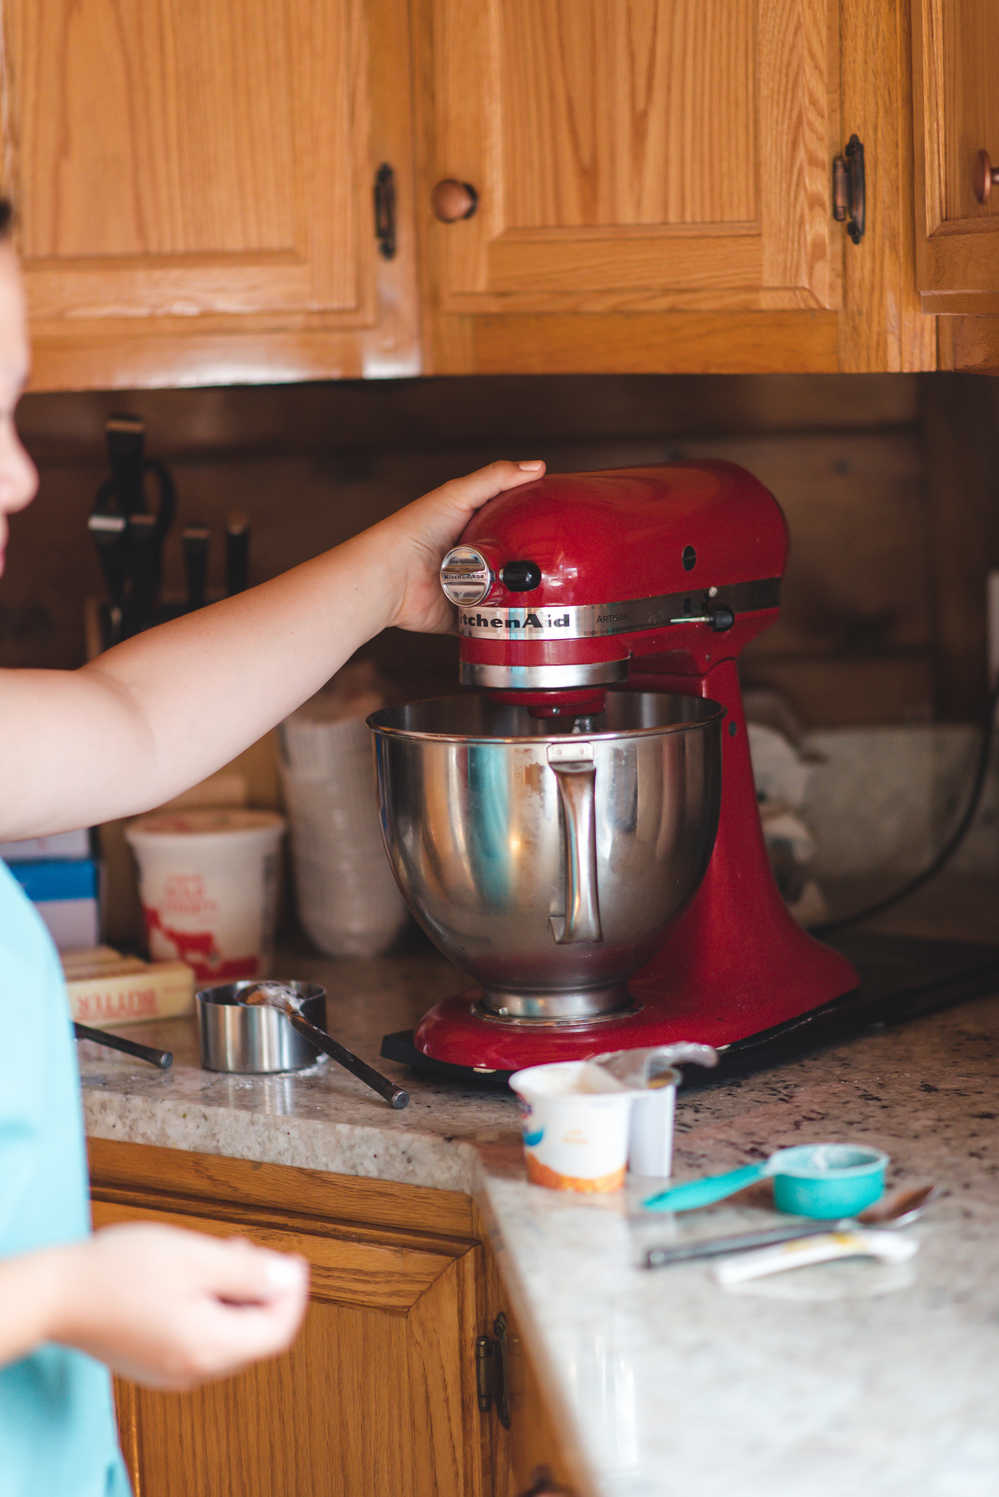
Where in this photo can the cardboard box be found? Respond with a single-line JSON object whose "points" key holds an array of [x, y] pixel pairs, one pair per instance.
{"points": [[107, 989]]}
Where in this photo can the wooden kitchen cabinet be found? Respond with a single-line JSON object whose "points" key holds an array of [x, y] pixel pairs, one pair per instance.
{"points": [[378, 1394], [956, 90], [195, 187], [651, 186]]}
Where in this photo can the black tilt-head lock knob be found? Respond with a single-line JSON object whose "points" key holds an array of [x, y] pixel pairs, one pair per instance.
{"points": [[521, 576]]}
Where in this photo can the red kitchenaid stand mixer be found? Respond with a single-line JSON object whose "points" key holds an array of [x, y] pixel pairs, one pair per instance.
{"points": [[643, 579]]}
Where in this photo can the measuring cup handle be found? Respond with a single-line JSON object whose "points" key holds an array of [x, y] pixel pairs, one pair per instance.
{"points": [[696, 1193], [576, 788]]}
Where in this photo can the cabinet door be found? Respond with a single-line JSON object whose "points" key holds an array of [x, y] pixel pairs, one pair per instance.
{"points": [[635, 157], [195, 183], [376, 1396], [956, 87]]}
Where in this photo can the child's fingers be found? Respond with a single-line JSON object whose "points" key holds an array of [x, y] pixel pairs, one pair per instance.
{"points": [[249, 1275], [474, 489]]}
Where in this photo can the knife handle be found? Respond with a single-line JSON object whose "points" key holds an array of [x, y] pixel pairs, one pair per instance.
{"points": [[195, 541], [237, 554], [144, 548], [109, 532], [124, 436]]}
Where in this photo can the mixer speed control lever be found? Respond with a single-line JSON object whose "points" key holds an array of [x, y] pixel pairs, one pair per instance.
{"points": [[719, 617]]}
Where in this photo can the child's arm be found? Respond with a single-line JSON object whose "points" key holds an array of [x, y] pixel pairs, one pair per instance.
{"points": [[163, 710], [159, 1306]]}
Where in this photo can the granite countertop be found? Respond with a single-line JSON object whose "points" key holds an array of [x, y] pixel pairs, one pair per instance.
{"points": [[843, 1376]]}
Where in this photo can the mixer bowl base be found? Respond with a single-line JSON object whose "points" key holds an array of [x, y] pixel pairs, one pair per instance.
{"points": [[584, 1005], [460, 1032], [544, 1021]]}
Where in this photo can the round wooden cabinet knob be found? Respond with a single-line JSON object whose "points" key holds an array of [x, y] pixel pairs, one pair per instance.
{"points": [[453, 200], [986, 176]]}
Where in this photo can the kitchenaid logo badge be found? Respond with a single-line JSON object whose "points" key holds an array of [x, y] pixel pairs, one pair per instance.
{"points": [[524, 621], [509, 619], [579, 621]]}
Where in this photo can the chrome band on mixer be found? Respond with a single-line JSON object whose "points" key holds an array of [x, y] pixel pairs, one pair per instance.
{"points": [[591, 620], [542, 677]]}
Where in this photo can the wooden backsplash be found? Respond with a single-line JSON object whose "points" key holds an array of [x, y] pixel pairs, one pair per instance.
{"points": [[888, 482]]}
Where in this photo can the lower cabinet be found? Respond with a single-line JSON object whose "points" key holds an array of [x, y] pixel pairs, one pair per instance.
{"points": [[380, 1393]]}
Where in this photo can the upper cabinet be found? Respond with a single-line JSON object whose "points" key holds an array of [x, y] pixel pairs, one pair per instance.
{"points": [[632, 185], [956, 75], [195, 185], [563, 186], [660, 155]]}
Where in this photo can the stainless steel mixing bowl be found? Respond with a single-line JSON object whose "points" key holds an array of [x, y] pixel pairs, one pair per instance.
{"points": [[549, 864]]}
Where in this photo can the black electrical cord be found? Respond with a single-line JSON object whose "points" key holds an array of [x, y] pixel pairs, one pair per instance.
{"points": [[950, 846]]}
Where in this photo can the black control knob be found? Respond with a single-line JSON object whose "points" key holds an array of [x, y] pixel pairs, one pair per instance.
{"points": [[521, 576], [722, 618]]}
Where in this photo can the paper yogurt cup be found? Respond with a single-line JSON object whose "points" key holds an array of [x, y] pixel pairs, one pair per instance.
{"points": [[208, 885], [576, 1123]]}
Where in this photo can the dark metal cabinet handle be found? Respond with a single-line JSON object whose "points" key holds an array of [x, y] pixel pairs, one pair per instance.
{"points": [[849, 195], [384, 196], [492, 1372], [453, 201]]}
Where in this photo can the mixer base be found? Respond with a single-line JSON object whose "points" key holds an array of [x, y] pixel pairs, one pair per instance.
{"points": [[902, 977]]}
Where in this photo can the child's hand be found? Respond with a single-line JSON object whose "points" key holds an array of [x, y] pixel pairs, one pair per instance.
{"points": [[429, 528], [171, 1309]]}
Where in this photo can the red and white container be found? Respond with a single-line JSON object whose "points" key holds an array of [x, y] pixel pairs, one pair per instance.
{"points": [[208, 885]]}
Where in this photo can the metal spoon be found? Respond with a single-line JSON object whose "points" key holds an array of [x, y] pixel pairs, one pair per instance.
{"points": [[896, 1210], [275, 995]]}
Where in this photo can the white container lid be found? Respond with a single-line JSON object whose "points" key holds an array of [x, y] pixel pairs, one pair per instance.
{"points": [[164, 828]]}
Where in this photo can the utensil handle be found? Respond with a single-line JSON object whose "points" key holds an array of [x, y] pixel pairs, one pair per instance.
{"points": [[890, 1246], [161, 1058], [738, 1242], [167, 506], [237, 554], [195, 540], [396, 1096], [576, 786], [694, 1193]]}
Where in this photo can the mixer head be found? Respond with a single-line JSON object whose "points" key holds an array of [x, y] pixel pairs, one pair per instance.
{"points": [[562, 583]]}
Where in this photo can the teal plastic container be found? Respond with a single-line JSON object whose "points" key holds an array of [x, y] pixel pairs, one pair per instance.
{"points": [[824, 1181], [827, 1180]]}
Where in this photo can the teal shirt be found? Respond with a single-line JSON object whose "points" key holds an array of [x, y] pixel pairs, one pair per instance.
{"points": [[57, 1430]]}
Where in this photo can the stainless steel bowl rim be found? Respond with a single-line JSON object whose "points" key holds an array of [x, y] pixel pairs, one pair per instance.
{"points": [[591, 735]]}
